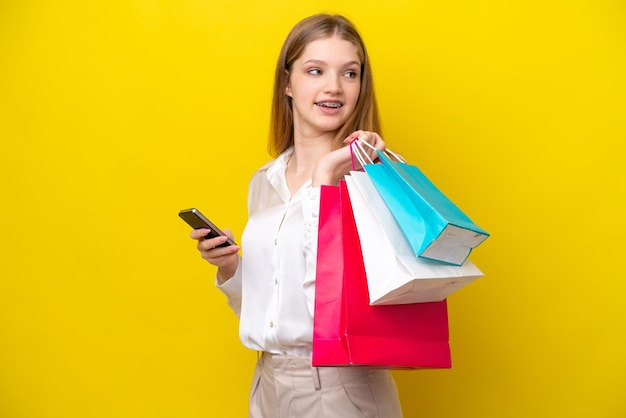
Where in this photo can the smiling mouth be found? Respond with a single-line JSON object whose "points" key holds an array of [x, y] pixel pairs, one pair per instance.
{"points": [[332, 105]]}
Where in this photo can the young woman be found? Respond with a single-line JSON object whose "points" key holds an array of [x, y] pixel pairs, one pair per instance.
{"points": [[323, 99]]}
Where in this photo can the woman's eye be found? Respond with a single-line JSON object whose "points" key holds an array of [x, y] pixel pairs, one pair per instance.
{"points": [[351, 74], [315, 71]]}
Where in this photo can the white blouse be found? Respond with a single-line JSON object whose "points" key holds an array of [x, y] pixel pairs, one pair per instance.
{"points": [[273, 290]]}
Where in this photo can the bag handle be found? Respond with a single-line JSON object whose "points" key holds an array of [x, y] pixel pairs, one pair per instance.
{"points": [[388, 152], [357, 150]]}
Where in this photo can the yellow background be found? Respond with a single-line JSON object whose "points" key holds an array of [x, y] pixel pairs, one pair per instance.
{"points": [[116, 114]]}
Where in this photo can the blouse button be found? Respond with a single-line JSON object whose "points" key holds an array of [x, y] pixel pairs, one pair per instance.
{"points": [[272, 324]]}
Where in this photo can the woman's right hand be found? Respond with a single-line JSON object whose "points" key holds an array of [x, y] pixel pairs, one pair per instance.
{"points": [[225, 258]]}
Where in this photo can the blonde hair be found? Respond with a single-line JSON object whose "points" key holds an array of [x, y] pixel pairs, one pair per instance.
{"points": [[320, 26]]}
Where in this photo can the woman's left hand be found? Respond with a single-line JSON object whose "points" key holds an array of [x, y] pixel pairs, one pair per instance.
{"points": [[336, 164], [371, 138]]}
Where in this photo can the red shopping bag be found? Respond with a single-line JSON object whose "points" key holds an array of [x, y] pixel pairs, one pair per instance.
{"points": [[347, 330]]}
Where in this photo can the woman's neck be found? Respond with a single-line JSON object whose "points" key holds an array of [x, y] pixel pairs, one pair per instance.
{"points": [[303, 160], [308, 150]]}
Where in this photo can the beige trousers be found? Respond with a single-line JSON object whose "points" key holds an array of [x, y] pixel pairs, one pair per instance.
{"points": [[289, 387]]}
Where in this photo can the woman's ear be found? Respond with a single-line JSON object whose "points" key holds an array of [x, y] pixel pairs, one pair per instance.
{"points": [[288, 87]]}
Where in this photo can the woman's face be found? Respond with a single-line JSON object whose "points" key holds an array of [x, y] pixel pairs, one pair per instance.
{"points": [[324, 84]]}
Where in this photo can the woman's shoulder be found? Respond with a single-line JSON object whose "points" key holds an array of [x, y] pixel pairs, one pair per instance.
{"points": [[275, 164], [264, 182], [266, 166], [262, 171]]}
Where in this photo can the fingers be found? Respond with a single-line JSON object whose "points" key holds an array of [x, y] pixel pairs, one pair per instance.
{"points": [[210, 243], [210, 251], [219, 255], [374, 139], [371, 138], [199, 234], [212, 246]]}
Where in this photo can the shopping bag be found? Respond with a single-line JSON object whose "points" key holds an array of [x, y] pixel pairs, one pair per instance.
{"points": [[434, 226], [395, 275], [347, 330]]}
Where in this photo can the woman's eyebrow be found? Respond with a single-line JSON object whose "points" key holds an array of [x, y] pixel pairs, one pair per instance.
{"points": [[322, 62], [314, 61]]}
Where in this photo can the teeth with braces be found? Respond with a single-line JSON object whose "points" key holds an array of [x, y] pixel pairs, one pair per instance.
{"points": [[330, 104]]}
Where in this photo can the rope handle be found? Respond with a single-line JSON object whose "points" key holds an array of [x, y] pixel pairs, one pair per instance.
{"points": [[389, 153], [357, 151]]}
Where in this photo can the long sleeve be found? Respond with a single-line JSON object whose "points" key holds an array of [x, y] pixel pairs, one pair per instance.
{"points": [[232, 288]]}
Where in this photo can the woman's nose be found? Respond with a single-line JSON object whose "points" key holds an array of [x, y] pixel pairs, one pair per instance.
{"points": [[333, 84]]}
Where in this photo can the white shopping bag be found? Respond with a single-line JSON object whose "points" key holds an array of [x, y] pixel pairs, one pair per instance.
{"points": [[395, 274]]}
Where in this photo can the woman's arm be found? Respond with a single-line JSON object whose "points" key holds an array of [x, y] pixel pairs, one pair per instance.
{"points": [[333, 166]]}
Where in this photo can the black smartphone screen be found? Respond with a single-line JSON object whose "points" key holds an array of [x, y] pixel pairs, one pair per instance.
{"points": [[197, 220]]}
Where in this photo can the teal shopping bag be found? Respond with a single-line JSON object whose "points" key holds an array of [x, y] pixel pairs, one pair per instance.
{"points": [[434, 226]]}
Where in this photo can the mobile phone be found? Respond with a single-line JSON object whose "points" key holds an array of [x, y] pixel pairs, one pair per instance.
{"points": [[197, 220]]}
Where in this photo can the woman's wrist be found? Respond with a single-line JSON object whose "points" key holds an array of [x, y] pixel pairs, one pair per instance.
{"points": [[326, 172], [225, 273]]}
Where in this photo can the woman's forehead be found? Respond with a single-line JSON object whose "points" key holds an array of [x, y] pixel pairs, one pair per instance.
{"points": [[332, 48]]}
